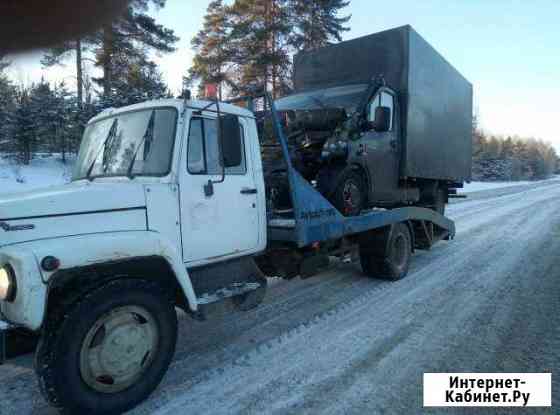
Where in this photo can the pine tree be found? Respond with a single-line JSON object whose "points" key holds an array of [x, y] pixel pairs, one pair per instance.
{"points": [[24, 127], [260, 45], [118, 45], [493, 148], [507, 148], [42, 106], [247, 46], [56, 56], [66, 122], [136, 82], [7, 110], [212, 57], [317, 23], [125, 42]]}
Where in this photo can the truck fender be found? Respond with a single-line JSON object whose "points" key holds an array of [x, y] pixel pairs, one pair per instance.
{"points": [[98, 249]]}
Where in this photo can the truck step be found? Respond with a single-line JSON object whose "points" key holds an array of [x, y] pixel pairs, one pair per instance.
{"points": [[227, 292], [282, 223]]}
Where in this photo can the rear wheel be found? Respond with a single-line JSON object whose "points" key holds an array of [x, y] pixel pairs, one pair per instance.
{"points": [[394, 261], [108, 351]]}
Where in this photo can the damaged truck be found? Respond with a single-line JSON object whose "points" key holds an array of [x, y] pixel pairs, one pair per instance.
{"points": [[378, 121], [185, 203]]}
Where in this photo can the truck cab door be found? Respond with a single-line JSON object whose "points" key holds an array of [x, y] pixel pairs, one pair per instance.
{"points": [[218, 219], [380, 151]]}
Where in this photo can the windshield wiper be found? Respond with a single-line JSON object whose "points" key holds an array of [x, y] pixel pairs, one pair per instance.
{"points": [[112, 133], [148, 134]]}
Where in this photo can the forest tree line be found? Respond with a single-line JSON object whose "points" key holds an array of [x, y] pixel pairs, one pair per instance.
{"points": [[242, 46], [251, 38], [512, 158]]}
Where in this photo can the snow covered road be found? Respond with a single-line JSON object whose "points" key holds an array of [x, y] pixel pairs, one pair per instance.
{"points": [[489, 301]]}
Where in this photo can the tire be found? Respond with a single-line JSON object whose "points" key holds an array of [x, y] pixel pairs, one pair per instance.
{"points": [[393, 265], [252, 299], [349, 196], [128, 328]]}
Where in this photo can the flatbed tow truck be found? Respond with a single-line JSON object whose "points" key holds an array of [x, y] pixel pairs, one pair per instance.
{"points": [[169, 206], [93, 270]]}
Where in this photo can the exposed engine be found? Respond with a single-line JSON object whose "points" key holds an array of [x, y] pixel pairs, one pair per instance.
{"points": [[308, 132]]}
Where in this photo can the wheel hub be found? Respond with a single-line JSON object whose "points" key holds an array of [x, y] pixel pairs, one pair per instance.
{"points": [[351, 195], [118, 348]]}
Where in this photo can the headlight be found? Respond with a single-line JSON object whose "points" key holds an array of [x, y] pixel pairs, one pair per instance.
{"points": [[8, 285]]}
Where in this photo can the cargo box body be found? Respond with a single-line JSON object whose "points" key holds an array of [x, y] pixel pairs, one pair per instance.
{"points": [[435, 99]]}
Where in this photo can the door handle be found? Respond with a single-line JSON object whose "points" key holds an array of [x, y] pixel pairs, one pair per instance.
{"points": [[393, 144], [247, 191]]}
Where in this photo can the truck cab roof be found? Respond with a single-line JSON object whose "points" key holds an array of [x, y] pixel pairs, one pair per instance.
{"points": [[176, 103]]}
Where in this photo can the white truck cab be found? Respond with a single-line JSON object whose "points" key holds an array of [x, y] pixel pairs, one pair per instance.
{"points": [[149, 197], [159, 207]]}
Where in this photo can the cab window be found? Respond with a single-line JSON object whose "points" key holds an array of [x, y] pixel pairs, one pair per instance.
{"points": [[203, 149], [383, 99]]}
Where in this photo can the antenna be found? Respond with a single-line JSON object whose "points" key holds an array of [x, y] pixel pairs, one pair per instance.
{"points": [[185, 94]]}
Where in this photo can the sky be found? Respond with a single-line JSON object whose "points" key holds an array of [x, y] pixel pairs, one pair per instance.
{"points": [[508, 50]]}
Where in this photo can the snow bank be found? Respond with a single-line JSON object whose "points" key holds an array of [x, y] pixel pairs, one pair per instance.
{"points": [[480, 186], [45, 170]]}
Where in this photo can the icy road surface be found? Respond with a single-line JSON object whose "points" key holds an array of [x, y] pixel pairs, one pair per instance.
{"points": [[489, 301]]}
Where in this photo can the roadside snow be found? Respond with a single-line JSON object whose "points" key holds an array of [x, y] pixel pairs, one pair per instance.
{"points": [[44, 171], [480, 186]]}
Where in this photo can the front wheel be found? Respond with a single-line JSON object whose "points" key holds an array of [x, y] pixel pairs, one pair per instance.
{"points": [[108, 351], [349, 196]]}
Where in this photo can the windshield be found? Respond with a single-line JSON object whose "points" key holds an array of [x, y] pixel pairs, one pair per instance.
{"points": [[133, 143], [347, 97]]}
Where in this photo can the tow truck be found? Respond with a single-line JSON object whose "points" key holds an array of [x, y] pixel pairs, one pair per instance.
{"points": [[167, 208]]}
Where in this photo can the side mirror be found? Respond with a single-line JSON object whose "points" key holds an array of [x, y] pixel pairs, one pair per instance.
{"points": [[382, 121], [230, 140]]}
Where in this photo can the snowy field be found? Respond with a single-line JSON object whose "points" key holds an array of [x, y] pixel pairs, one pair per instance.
{"points": [[45, 170]]}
